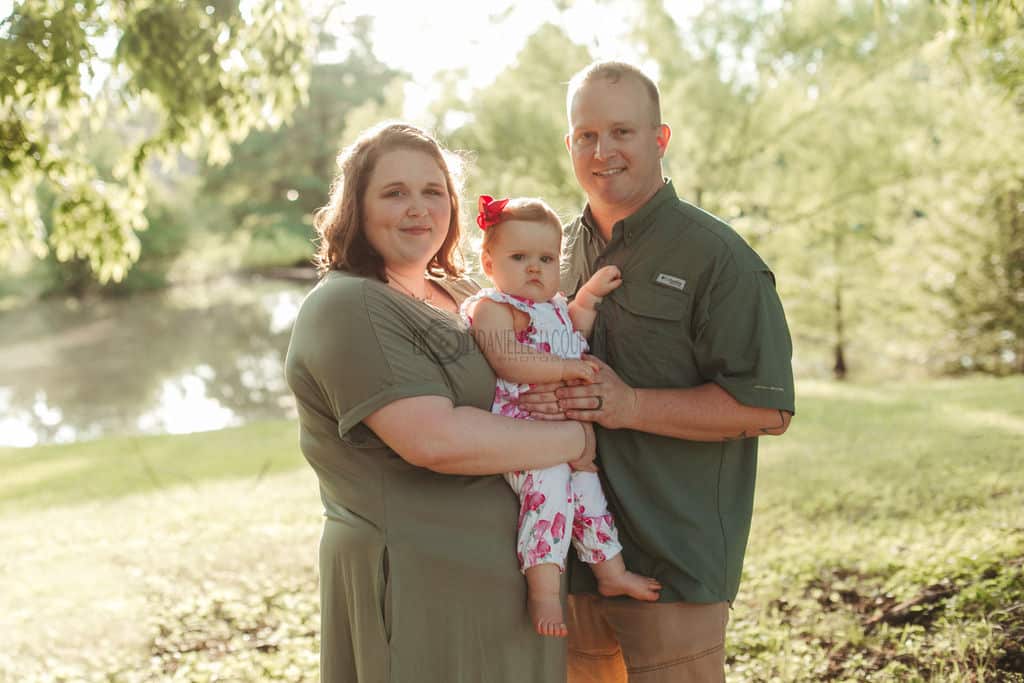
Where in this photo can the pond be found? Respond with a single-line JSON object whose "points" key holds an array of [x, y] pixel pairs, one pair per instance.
{"points": [[186, 359]]}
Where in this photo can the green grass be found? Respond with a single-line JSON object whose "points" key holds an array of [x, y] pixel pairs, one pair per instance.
{"points": [[888, 538], [887, 545], [105, 469]]}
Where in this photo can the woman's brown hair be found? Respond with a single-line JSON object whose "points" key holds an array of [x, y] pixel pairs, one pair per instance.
{"points": [[342, 243]]}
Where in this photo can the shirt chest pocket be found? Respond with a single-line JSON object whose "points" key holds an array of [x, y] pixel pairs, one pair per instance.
{"points": [[646, 330]]}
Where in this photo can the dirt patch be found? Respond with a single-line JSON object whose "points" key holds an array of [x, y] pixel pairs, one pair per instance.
{"points": [[922, 609], [843, 589]]}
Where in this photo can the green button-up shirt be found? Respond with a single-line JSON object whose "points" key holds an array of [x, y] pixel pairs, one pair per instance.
{"points": [[696, 305]]}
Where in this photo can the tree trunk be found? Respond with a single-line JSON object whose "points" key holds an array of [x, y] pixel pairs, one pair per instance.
{"points": [[839, 370]]}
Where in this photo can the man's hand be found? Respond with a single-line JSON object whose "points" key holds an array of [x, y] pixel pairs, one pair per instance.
{"points": [[607, 400]]}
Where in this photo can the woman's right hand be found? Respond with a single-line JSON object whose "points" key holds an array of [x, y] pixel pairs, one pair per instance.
{"points": [[585, 463]]}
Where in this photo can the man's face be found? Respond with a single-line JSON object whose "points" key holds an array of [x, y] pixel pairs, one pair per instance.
{"points": [[615, 145]]}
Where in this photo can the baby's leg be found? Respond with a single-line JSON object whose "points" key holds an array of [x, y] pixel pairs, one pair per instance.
{"points": [[597, 542], [544, 600], [543, 542]]}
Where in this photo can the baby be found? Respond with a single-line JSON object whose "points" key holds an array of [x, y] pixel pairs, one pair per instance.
{"points": [[530, 335]]}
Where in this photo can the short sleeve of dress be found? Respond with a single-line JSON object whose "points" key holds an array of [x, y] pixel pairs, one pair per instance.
{"points": [[744, 345], [356, 350]]}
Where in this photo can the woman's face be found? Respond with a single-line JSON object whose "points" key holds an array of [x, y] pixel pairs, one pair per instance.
{"points": [[406, 209]]}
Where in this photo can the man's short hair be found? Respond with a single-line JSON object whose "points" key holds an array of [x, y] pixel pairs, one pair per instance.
{"points": [[613, 72]]}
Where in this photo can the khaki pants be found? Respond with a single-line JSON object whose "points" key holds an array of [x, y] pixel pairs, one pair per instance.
{"points": [[614, 641]]}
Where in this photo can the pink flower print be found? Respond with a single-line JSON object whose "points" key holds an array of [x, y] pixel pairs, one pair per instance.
{"points": [[598, 557], [524, 336], [502, 395], [510, 410], [559, 314], [608, 520], [526, 492], [533, 500], [577, 530], [602, 537], [541, 528], [558, 527], [545, 347], [528, 484], [539, 552]]}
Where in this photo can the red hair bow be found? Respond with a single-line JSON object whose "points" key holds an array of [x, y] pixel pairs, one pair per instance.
{"points": [[489, 211]]}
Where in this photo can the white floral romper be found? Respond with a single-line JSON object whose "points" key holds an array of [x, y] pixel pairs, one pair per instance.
{"points": [[552, 499]]}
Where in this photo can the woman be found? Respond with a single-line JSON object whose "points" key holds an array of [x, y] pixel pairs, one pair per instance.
{"points": [[419, 579]]}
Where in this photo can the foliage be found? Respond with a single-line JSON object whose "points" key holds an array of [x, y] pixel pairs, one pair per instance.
{"points": [[840, 139], [997, 28], [277, 179], [986, 291], [196, 76], [516, 125]]}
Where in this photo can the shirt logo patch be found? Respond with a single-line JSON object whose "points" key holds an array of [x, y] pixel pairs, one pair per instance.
{"points": [[671, 281]]}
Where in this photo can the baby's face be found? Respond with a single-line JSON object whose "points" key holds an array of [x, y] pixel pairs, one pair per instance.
{"points": [[523, 259]]}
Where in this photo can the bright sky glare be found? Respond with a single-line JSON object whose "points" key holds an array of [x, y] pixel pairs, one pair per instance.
{"points": [[482, 37]]}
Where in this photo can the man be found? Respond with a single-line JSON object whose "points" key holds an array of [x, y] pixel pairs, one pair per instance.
{"points": [[696, 365]]}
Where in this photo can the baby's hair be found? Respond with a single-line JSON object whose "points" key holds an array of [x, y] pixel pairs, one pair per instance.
{"points": [[528, 209]]}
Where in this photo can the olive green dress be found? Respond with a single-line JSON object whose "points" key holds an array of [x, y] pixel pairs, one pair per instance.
{"points": [[418, 572]]}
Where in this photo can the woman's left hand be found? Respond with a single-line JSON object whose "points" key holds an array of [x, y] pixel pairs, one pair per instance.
{"points": [[542, 403]]}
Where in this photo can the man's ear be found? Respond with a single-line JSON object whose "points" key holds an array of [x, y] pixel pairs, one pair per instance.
{"points": [[663, 135], [568, 143], [486, 263]]}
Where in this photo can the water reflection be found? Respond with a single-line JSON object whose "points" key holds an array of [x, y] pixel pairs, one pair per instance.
{"points": [[184, 360]]}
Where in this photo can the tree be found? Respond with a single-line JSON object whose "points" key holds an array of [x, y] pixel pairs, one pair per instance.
{"points": [[834, 137], [276, 179], [997, 28], [516, 125], [196, 76]]}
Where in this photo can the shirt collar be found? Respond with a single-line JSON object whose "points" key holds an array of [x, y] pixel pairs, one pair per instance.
{"points": [[635, 224], [631, 226], [587, 221]]}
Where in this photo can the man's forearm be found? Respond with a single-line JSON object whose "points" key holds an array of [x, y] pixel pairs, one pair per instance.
{"points": [[703, 413]]}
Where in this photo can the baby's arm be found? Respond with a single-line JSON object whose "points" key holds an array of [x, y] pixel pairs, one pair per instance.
{"points": [[495, 333], [582, 309]]}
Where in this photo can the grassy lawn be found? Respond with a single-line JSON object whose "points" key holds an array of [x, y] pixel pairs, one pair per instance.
{"points": [[888, 545], [888, 538], [110, 468]]}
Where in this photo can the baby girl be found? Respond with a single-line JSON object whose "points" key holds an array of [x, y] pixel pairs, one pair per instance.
{"points": [[531, 335]]}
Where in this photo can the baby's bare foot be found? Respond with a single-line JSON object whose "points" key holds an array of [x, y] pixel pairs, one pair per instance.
{"points": [[546, 615], [627, 583]]}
